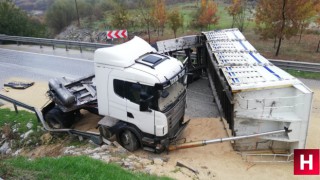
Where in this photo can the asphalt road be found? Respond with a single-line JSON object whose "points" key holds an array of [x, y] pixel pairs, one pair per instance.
{"points": [[41, 66]]}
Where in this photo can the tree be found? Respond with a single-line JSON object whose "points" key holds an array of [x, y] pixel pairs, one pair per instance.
{"points": [[145, 10], [159, 14], [238, 12], [14, 21], [120, 17], [282, 18], [60, 15], [207, 14], [175, 21], [304, 13]]}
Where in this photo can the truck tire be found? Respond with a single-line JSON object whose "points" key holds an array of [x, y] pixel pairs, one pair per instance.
{"points": [[128, 140], [54, 118], [57, 119]]}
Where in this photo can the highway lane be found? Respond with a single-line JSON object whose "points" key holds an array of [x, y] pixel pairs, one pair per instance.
{"points": [[41, 66]]}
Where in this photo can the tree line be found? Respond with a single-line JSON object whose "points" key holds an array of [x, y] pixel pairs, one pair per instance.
{"points": [[154, 15], [277, 20], [283, 19], [14, 21]]}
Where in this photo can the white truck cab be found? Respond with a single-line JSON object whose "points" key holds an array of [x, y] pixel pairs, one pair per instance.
{"points": [[141, 93]]}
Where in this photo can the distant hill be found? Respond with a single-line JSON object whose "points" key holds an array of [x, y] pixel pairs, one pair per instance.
{"points": [[33, 5], [43, 5]]}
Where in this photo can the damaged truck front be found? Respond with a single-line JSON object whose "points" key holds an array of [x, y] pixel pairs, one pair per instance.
{"points": [[139, 94]]}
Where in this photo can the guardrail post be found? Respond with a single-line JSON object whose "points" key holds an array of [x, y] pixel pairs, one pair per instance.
{"points": [[80, 49], [53, 46], [40, 46], [67, 47], [15, 108]]}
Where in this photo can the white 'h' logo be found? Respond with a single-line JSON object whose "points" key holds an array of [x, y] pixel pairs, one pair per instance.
{"points": [[303, 162]]}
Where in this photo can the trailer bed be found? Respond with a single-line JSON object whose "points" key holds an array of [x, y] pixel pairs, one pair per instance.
{"points": [[72, 95]]}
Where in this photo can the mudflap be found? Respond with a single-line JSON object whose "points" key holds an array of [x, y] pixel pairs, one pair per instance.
{"points": [[47, 108]]}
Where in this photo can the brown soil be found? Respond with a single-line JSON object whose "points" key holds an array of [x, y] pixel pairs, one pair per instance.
{"points": [[313, 140], [34, 96], [215, 161], [88, 122], [51, 150]]}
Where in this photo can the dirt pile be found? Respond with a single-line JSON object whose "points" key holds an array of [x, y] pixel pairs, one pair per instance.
{"points": [[74, 33]]}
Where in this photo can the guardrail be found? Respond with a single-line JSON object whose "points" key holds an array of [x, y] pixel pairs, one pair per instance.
{"points": [[295, 65], [284, 64], [53, 42]]}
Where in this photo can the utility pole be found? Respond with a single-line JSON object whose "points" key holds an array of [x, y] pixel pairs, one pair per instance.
{"points": [[75, 1]]}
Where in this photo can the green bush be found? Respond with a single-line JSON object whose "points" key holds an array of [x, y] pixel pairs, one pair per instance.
{"points": [[14, 21]]}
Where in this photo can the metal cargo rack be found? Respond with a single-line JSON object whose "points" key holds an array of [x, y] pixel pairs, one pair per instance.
{"points": [[254, 95]]}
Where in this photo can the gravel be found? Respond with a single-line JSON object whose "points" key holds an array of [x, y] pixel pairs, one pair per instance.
{"points": [[200, 101]]}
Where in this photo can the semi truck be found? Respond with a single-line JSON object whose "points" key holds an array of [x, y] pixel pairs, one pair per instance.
{"points": [[139, 93]]}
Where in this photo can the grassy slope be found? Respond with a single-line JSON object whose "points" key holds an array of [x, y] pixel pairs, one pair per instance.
{"points": [[21, 119], [302, 74], [56, 168], [79, 167]]}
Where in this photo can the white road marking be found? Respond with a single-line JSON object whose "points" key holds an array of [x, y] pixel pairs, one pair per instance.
{"points": [[77, 59], [37, 70]]}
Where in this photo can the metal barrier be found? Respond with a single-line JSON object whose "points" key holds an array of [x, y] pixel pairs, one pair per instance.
{"points": [[95, 137], [284, 64], [301, 66], [295, 65], [53, 42], [268, 158]]}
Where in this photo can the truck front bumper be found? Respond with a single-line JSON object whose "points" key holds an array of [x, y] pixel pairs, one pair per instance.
{"points": [[165, 142]]}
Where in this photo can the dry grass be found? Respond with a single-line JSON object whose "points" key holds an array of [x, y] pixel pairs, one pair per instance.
{"points": [[290, 50]]}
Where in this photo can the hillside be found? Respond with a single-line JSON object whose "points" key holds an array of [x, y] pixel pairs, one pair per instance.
{"points": [[34, 5], [43, 5]]}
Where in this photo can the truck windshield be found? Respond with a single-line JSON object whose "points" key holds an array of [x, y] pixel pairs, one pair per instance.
{"points": [[169, 95]]}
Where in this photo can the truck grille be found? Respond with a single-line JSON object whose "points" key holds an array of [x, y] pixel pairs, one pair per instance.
{"points": [[175, 114]]}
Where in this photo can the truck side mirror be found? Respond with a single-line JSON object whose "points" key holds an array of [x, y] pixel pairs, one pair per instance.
{"points": [[144, 102], [144, 105]]}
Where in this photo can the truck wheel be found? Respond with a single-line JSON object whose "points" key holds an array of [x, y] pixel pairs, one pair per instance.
{"points": [[54, 118], [129, 141], [57, 119]]}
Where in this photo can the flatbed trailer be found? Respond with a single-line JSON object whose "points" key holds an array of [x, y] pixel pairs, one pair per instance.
{"points": [[251, 93]]}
